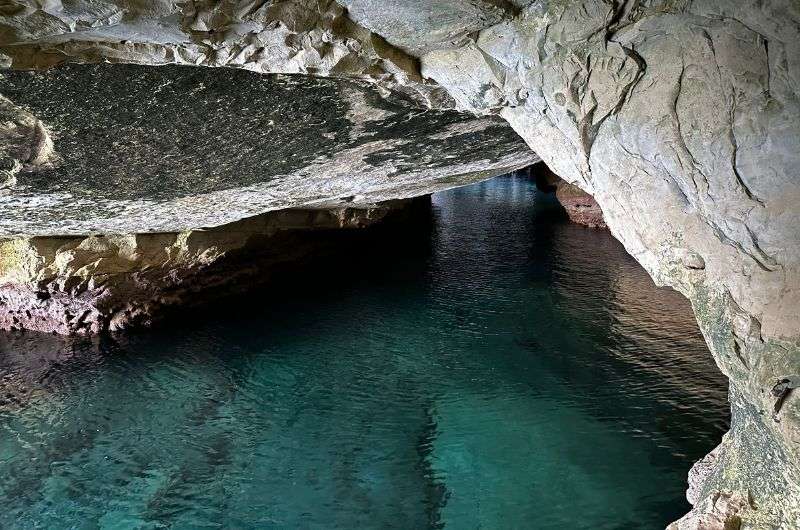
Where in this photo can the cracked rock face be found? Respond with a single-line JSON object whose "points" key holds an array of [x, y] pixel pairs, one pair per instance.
{"points": [[681, 118]]}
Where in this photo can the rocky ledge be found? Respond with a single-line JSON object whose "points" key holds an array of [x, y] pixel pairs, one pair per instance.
{"points": [[89, 284], [130, 149]]}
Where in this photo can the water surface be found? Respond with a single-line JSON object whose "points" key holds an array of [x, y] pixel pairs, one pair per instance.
{"points": [[494, 368]]}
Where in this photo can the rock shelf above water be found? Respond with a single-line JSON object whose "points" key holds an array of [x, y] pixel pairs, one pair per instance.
{"points": [[101, 283], [131, 149]]}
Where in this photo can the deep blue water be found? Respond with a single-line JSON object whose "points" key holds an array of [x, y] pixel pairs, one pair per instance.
{"points": [[496, 368]]}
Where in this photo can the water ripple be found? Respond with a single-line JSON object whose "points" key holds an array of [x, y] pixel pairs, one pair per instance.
{"points": [[496, 368]]}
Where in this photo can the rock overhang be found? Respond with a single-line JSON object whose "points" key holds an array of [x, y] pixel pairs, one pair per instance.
{"points": [[138, 149]]}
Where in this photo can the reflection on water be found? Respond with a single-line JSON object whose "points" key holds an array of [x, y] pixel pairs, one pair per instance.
{"points": [[495, 368]]}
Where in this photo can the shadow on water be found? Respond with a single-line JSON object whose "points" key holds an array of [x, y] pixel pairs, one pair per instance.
{"points": [[490, 366]]}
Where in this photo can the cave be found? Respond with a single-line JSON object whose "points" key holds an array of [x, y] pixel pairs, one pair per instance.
{"points": [[198, 169]]}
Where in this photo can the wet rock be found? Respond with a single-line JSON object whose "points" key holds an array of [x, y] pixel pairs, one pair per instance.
{"points": [[699, 473], [580, 206], [719, 511]]}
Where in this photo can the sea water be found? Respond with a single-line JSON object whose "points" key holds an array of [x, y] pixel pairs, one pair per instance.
{"points": [[493, 367]]}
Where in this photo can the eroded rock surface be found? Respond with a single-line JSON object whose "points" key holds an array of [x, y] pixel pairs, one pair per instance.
{"points": [[89, 284], [274, 36], [25, 143], [581, 208], [679, 117]]}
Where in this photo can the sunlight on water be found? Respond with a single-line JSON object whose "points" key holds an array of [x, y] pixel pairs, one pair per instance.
{"points": [[495, 368]]}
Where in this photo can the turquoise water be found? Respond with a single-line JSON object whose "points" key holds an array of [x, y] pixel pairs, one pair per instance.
{"points": [[494, 368]]}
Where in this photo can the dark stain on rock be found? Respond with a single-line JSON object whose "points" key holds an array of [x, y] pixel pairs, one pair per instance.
{"points": [[782, 389]]}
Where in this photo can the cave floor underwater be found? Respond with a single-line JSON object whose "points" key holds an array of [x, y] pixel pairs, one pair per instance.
{"points": [[492, 367]]}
